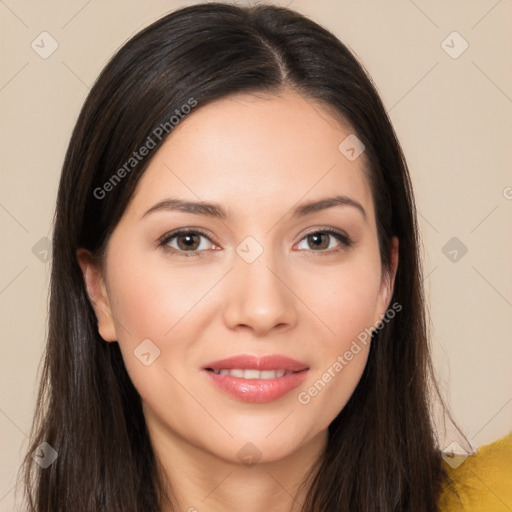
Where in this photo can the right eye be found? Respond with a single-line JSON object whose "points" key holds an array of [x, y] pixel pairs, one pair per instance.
{"points": [[182, 241]]}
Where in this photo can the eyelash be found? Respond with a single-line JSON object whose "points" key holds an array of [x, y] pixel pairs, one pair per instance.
{"points": [[346, 242]]}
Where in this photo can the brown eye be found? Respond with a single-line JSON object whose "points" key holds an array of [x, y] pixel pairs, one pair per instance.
{"points": [[321, 240], [186, 241]]}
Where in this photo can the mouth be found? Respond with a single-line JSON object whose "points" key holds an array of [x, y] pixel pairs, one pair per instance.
{"points": [[248, 362], [251, 374], [256, 379]]}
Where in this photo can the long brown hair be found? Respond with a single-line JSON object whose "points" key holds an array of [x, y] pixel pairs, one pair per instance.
{"points": [[382, 453]]}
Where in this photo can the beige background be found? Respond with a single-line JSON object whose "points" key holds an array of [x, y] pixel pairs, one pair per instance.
{"points": [[453, 118]]}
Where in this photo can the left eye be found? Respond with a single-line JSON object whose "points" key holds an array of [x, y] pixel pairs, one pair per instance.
{"points": [[322, 240]]}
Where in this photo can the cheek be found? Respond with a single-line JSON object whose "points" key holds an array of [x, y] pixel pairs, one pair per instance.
{"points": [[168, 306], [154, 303], [348, 304], [346, 299], [150, 298]]}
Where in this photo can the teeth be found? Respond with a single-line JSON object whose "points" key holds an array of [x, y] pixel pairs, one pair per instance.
{"points": [[249, 374], [253, 374]]}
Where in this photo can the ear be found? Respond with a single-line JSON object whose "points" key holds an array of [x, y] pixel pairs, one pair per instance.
{"points": [[388, 281], [97, 292]]}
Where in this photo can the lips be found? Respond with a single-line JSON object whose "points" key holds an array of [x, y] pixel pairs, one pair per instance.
{"points": [[256, 379]]}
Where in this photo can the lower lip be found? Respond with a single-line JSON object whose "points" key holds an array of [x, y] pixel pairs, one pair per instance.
{"points": [[257, 390]]}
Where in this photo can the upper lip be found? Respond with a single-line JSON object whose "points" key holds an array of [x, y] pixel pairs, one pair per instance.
{"points": [[251, 362]]}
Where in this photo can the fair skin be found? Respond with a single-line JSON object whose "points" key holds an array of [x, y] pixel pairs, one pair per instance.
{"points": [[308, 299]]}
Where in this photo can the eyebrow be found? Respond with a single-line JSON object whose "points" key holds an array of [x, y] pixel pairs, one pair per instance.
{"points": [[217, 211]]}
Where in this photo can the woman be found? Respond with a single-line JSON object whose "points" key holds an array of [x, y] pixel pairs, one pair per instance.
{"points": [[236, 315]]}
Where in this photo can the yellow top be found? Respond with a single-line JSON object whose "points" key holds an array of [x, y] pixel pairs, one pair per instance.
{"points": [[481, 482]]}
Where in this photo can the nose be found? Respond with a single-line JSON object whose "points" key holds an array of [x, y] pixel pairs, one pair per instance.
{"points": [[259, 296]]}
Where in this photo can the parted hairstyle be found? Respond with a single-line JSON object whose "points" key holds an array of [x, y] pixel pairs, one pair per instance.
{"points": [[382, 452]]}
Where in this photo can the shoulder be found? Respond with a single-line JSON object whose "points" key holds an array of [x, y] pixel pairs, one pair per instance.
{"points": [[481, 482]]}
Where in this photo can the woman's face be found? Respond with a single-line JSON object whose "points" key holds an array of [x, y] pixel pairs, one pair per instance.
{"points": [[255, 273]]}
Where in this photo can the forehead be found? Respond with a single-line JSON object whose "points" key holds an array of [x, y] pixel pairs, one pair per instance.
{"points": [[255, 153]]}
